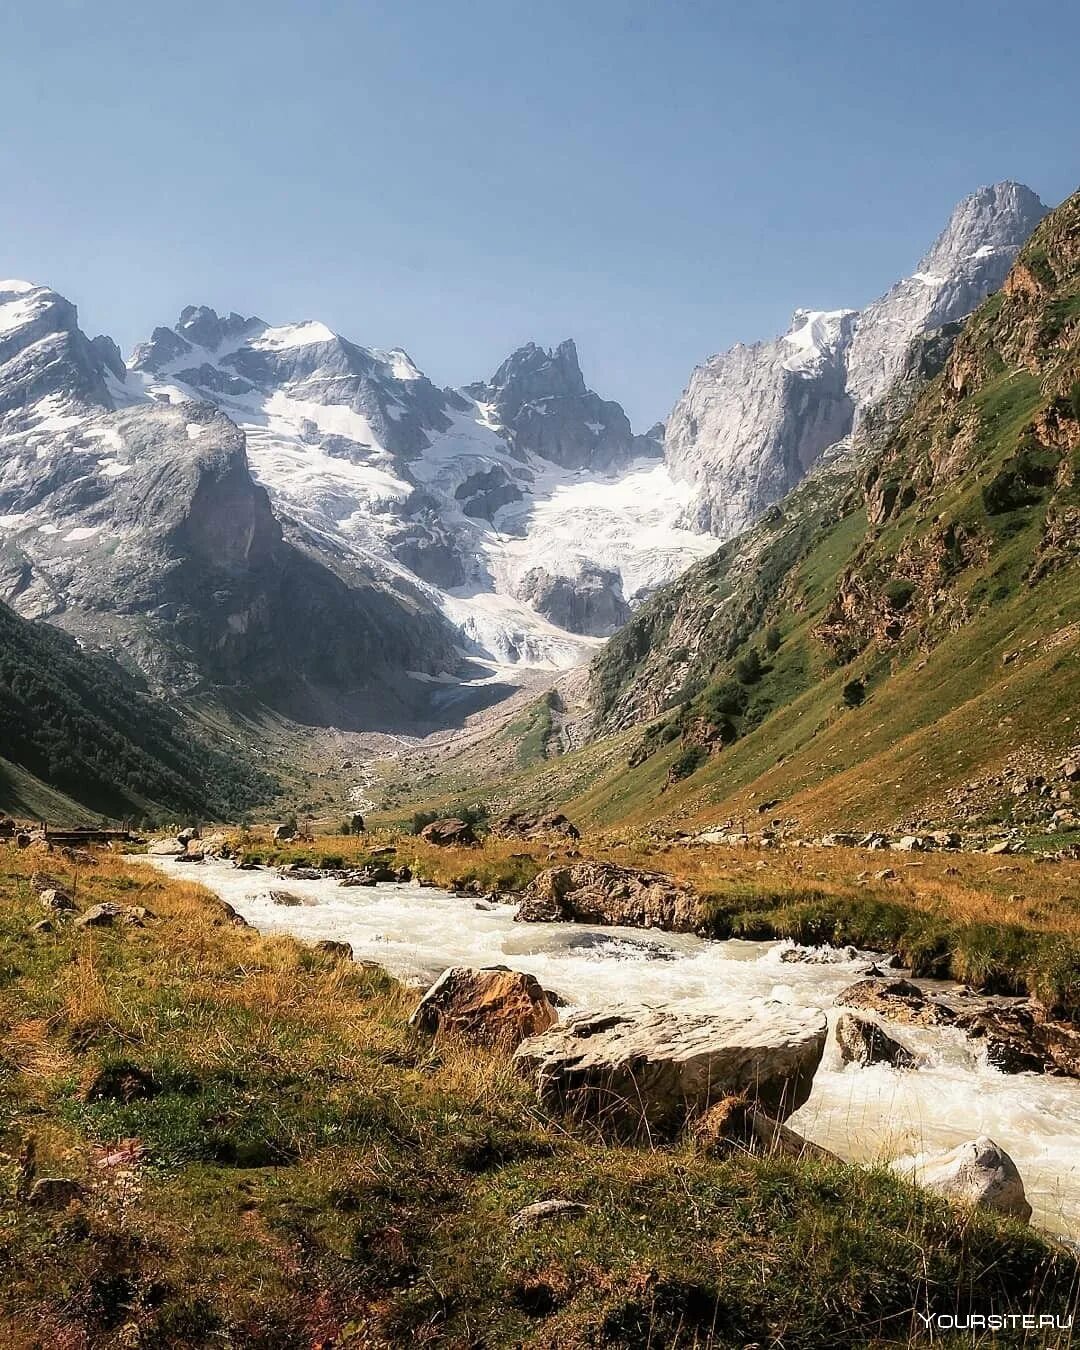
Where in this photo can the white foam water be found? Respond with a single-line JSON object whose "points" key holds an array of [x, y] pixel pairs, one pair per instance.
{"points": [[863, 1113]]}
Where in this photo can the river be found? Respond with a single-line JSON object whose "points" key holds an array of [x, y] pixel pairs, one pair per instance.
{"points": [[862, 1113]]}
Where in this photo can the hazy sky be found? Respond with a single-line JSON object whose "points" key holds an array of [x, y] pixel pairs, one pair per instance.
{"points": [[657, 180]]}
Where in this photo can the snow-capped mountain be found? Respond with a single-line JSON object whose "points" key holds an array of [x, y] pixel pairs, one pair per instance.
{"points": [[135, 523], [523, 507], [278, 507], [753, 420]]}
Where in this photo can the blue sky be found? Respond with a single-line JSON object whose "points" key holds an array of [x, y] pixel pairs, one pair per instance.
{"points": [[657, 180]]}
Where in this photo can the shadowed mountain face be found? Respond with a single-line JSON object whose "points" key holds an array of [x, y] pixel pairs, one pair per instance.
{"points": [[754, 420], [76, 721]]}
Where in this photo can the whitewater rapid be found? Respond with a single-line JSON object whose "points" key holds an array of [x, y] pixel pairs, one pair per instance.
{"points": [[865, 1114]]}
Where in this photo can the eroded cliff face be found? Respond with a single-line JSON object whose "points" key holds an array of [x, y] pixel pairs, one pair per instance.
{"points": [[754, 420]]}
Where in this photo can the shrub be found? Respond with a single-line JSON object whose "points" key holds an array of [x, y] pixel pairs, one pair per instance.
{"points": [[898, 593], [726, 699], [691, 759], [772, 639], [748, 669], [853, 693]]}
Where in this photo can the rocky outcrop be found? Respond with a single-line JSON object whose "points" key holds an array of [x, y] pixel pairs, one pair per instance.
{"points": [[643, 1071], [896, 1001], [590, 601], [862, 1041], [754, 419], [449, 833], [978, 1173], [602, 893], [1020, 1039], [496, 1006], [539, 399]]}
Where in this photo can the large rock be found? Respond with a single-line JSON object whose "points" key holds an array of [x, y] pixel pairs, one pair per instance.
{"points": [[978, 1173], [496, 1006], [449, 833], [896, 1001], [643, 1071], [1019, 1040], [166, 848], [529, 825], [602, 893], [861, 1041]]}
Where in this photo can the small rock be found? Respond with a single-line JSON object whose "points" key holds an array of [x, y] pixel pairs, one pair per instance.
{"points": [[58, 901], [283, 832], [861, 1041], [43, 926], [545, 1210], [55, 1193], [978, 1173]]}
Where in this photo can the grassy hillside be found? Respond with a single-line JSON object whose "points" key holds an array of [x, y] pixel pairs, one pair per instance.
{"points": [[269, 1158], [79, 737], [905, 623]]}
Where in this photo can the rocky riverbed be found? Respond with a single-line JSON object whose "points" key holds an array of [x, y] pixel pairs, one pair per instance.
{"points": [[861, 1111]]}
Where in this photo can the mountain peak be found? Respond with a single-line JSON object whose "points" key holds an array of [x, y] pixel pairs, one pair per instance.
{"points": [[206, 328], [997, 216]]}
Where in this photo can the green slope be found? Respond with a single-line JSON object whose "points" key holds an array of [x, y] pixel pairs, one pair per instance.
{"points": [[79, 737]]}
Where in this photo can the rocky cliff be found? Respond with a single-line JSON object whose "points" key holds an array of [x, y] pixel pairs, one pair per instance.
{"points": [[898, 635], [753, 420]]}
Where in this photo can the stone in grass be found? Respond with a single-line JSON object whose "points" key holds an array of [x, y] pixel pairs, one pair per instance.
{"points": [[340, 950], [108, 913], [495, 1005], [55, 1193], [57, 900], [543, 1211], [978, 1173]]}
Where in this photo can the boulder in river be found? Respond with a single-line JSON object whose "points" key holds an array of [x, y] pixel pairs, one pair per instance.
{"points": [[289, 899], [495, 1005], [449, 833], [1019, 1039], [641, 1071], [862, 1041], [978, 1172], [601, 893], [895, 1001]]}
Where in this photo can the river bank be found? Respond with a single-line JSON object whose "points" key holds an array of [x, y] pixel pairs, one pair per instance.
{"points": [[866, 1113]]}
